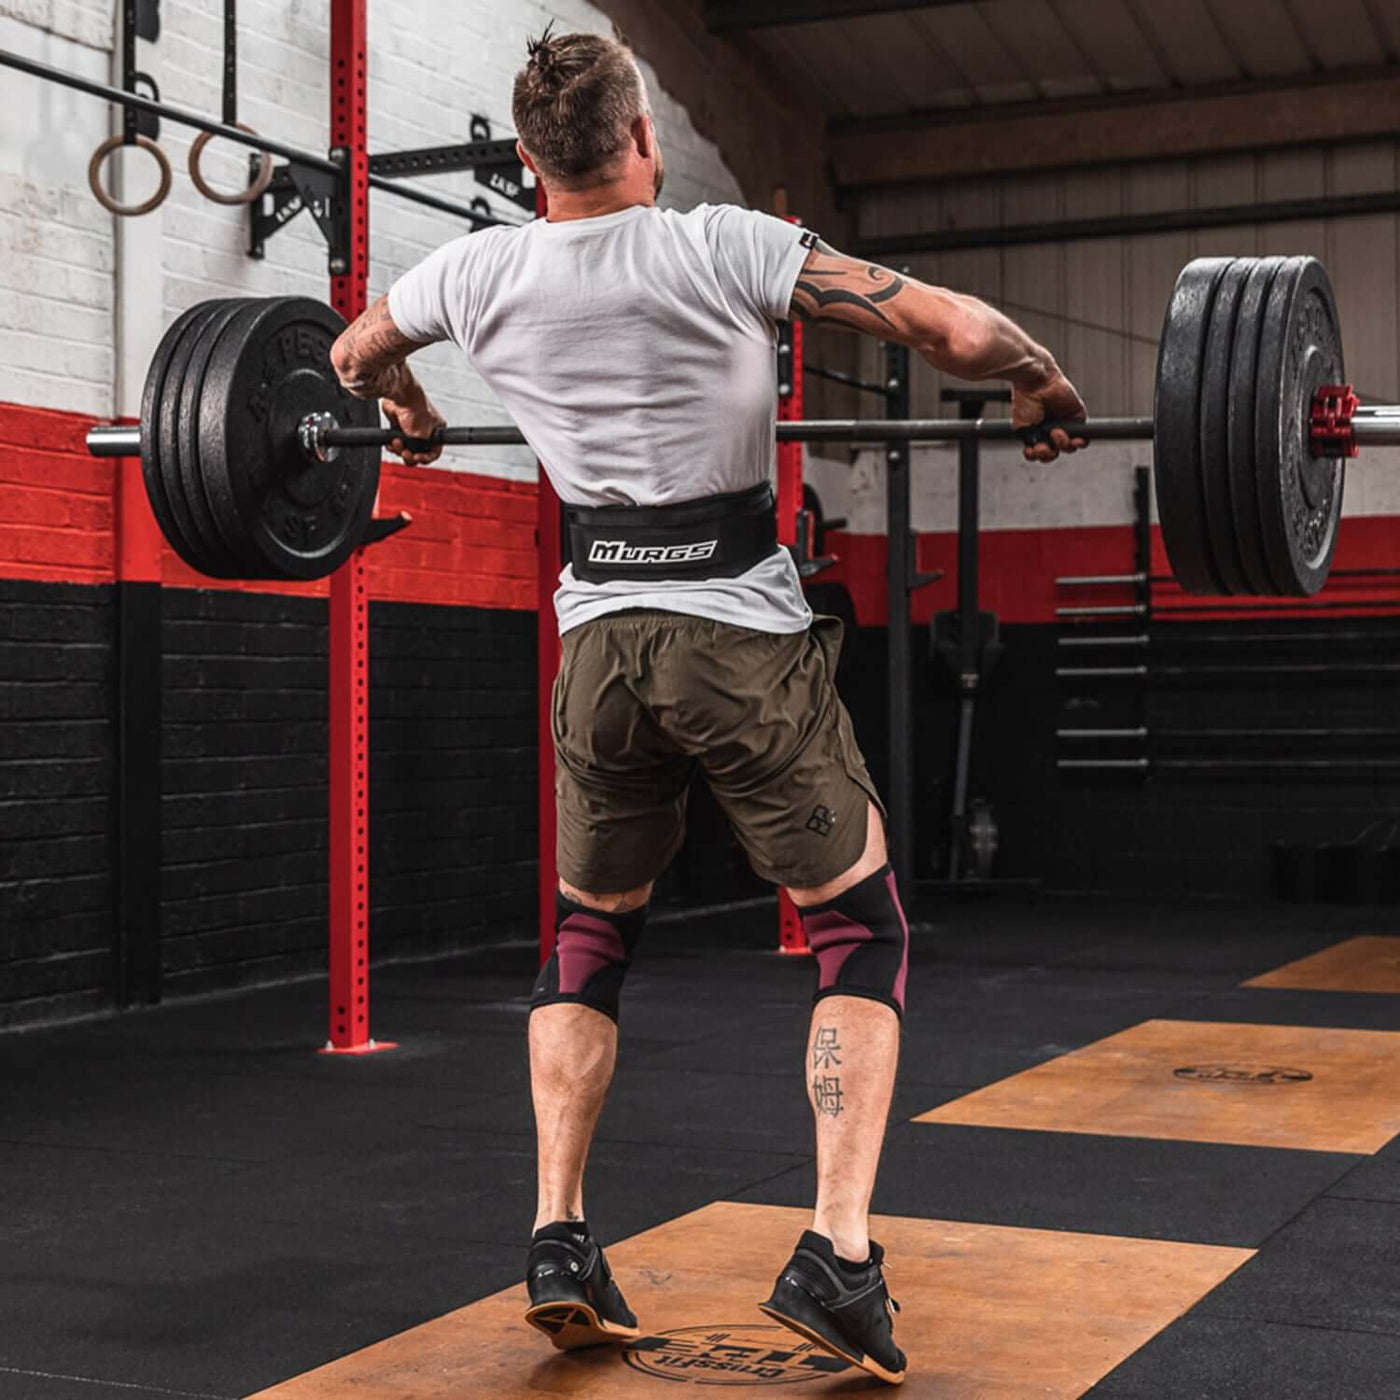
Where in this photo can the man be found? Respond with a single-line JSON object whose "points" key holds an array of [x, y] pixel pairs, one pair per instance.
{"points": [[635, 349]]}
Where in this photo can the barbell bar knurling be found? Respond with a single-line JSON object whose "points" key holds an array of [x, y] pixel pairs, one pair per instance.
{"points": [[1374, 425], [125, 441], [811, 430]]}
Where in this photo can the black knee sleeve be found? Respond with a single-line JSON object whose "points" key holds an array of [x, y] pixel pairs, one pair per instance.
{"points": [[592, 952], [861, 942]]}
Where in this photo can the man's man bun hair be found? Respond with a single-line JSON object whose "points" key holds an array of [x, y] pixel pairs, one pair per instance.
{"points": [[543, 58], [575, 101]]}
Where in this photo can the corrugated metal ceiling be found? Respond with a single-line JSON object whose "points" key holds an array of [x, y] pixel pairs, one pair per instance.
{"points": [[996, 51]]}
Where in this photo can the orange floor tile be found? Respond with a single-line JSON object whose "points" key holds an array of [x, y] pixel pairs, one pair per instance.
{"points": [[988, 1311], [1205, 1081], [1366, 964]]}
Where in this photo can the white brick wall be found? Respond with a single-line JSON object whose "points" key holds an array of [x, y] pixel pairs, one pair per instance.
{"points": [[102, 295], [86, 22], [56, 248]]}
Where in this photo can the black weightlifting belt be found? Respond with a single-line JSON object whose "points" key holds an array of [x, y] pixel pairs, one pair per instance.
{"points": [[717, 537]]}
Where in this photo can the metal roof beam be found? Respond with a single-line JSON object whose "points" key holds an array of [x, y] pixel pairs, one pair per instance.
{"points": [[1274, 211], [923, 148]]}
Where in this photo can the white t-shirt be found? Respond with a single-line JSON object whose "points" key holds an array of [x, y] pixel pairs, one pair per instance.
{"points": [[636, 352]]}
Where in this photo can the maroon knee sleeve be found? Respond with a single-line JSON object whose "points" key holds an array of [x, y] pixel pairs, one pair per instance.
{"points": [[592, 952], [861, 942]]}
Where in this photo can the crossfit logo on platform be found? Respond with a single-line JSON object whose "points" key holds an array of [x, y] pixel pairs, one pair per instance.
{"points": [[1242, 1074], [619, 552], [741, 1355]]}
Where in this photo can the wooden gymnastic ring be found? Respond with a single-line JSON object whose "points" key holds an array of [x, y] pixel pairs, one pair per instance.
{"points": [[128, 211], [244, 196]]}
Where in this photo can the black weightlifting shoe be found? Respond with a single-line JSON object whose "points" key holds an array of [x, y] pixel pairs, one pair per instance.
{"points": [[573, 1299], [844, 1309]]}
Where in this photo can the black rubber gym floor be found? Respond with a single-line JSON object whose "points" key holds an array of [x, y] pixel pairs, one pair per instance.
{"points": [[197, 1204]]}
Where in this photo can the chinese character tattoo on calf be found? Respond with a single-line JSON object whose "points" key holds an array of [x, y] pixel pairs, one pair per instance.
{"points": [[826, 1088], [825, 1048], [826, 1093]]}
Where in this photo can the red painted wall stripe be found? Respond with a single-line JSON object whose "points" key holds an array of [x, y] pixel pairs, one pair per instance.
{"points": [[57, 504], [1019, 568], [140, 548], [471, 544]]}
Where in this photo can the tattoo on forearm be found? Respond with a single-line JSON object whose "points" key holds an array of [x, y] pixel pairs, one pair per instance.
{"points": [[826, 1094], [374, 350], [393, 382], [834, 288], [825, 1048]]}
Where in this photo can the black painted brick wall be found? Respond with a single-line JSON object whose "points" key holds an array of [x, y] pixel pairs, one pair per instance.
{"points": [[1119, 834], [57, 779], [244, 807], [452, 783], [454, 764], [1210, 834], [244, 778]]}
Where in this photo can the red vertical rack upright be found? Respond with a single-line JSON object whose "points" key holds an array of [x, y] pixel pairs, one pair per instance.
{"points": [[550, 551], [349, 604], [791, 936]]}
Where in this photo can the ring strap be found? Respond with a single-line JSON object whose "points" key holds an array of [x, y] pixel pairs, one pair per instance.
{"points": [[230, 63]]}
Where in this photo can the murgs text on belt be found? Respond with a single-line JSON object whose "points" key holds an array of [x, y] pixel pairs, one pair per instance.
{"points": [[715, 537]]}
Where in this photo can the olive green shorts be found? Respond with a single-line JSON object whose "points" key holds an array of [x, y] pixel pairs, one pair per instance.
{"points": [[644, 698]]}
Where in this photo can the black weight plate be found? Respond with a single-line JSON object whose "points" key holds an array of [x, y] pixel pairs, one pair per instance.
{"points": [[235, 531], [166, 438], [230, 561], [1176, 465], [152, 396], [305, 517], [188, 541], [1215, 427], [1300, 496], [1244, 368]]}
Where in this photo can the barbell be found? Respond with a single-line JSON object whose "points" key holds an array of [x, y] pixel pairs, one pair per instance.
{"points": [[259, 465]]}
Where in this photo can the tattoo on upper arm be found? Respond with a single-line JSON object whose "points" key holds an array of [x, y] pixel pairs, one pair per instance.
{"points": [[835, 288], [374, 350]]}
